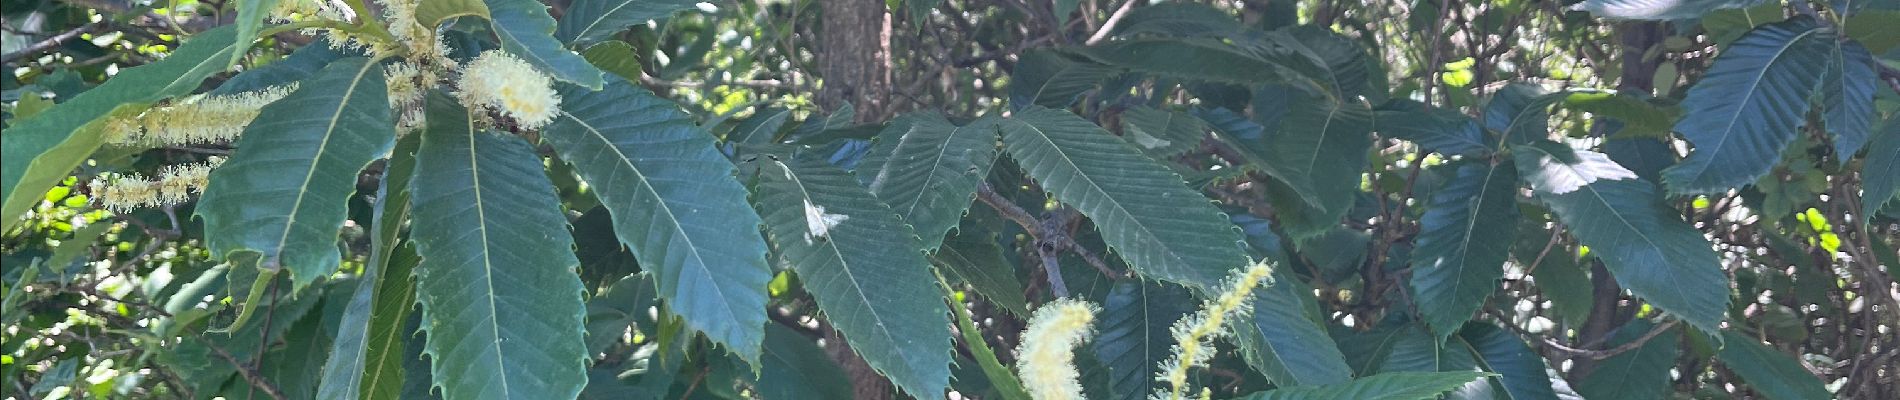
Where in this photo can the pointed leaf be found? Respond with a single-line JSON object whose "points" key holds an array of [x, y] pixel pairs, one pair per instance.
{"points": [[526, 30], [1144, 212], [300, 64], [795, 368], [860, 261], [1179, 20], [675, 204], [1747, 108], [588, 21], [42, 150], [927, 170], [625, 303], [500, 301], [431, 12], [1285, 343], [1642, 373], [1162, 133], [1440, 130], [1192, 58], [283, 195], [1320, 150], [1880, 173], [1521, 372], [1052, 79], [344, 375], [972, 256], [1848, 98], [1648, 248], [1460, 252], [251, 15], [1774, 374], [1133, 339], [1387, 386]]}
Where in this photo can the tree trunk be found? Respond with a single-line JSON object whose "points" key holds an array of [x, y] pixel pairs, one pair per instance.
{"points": [[854, 58]]}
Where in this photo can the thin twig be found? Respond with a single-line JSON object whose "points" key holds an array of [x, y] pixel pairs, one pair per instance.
{"points": [[1592, 354], [1113, 19], [48, 43]]}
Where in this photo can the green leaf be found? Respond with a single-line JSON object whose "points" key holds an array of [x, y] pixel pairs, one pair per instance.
{"points": [[927, 170], [1192, 58], [1440, 130], [1880, 173], [1286, 344], [1847, 96], [625, 303], [1388, 386], [1642, 373], [589, 21], [795, 368], [1320, 150], [500, 301], [1178, 20], [675, 204], [1521, 112], [1645, 244], [1049, 78], [431, 12], [1144, 211], [1658, 10], [1521, 372], [616, 57], [384, 373], [859, 260], [1559, 275], [1162, 133], [41, 151], [1133, 339], [1461, 247], [1341, 60], [300, 64], [973, 256], [526, 30], [1747, 108], [1636, 114], [283, 195], [250, 17], [1770, 372], [345, 372]]}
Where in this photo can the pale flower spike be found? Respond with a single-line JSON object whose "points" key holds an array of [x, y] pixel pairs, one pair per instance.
{"points": [[501, 82], [1194, 335], [174, 185], [201, 120], [1046, 358]]}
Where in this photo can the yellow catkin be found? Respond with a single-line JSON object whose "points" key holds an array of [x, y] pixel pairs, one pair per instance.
{"points": [[501, 82], [200, 120], [1046, 358], [407, 84], [174, 185], [1194, 335], [421, 41]]}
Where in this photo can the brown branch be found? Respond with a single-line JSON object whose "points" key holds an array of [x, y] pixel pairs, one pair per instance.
{"points": [[48, 43], [1113, 19], [1051, 233], [250, 375], [1592, 354]]}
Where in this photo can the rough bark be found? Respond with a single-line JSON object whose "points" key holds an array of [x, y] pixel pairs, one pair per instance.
{"points": [[854, 58]]}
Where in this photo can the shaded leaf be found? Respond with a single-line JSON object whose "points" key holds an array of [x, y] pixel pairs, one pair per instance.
{"points": [[1770, 372], [1460, 251], [1143, 211], [1162, 133], [1847, 98], [927, 170], [1642, 373], [1285, 343], [973, 256], [361, 355], [1052, 79], [1439, 130], [860, 261], [1520, 371], [1179, 20], [1195, 59], [1320, 150], [1387, 386], [1657, 9], [1133, 339], [1648, 248], [1880, 173], [1747, 108], [795, 368], [588, 21]]}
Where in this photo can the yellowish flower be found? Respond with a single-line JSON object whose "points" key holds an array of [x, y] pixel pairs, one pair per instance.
{"points": [[1046, 358], [504, 83], [1194, 335], [196, 120], [174, 185]]}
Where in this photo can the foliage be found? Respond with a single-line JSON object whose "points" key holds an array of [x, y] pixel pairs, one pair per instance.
{"points": [[505, 199]]}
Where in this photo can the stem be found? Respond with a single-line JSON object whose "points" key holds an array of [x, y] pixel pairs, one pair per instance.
{"points": [[999, 375]]}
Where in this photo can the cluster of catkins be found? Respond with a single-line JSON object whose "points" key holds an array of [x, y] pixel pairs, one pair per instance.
{"points": [[1045, 360], [495, 81]]}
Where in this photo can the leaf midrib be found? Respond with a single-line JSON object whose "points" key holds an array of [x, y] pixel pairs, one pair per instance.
{"points": [[621, 159], [1142, 227], [488, 264], [329, 133], [845, 266], [1752, 96]]}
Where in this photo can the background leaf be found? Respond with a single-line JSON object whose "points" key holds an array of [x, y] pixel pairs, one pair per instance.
{"points": [[1460, 253], [1133, 339], [588, 21], [1746, 110], [526, 30], [1769, 371], [1392, 386], [927, 170], [1641, 373]]}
